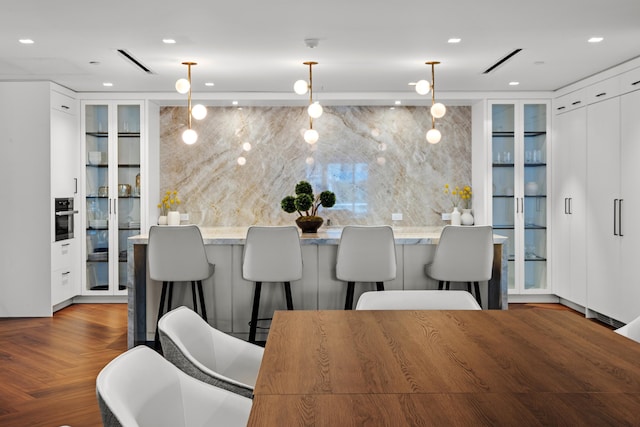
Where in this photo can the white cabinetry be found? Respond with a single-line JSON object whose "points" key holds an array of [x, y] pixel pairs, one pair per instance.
{"points": [[113, 145], [65, 145], [613, 234], [64, 271], [568, 205], [519, 189]]}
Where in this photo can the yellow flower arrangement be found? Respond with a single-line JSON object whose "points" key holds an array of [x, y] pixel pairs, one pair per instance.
{"points": [[169, 202], [459, 196]]}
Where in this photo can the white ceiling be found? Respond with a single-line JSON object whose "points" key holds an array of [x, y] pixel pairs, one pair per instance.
{"points": [[257, 46]]}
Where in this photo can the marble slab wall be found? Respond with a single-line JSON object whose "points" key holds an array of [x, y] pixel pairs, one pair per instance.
{"points": [[375, 159]]}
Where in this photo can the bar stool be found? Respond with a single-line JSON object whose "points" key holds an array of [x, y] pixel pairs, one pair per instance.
{"points": [[365, 254], [463, 254], [271, 254], [177, 254]]}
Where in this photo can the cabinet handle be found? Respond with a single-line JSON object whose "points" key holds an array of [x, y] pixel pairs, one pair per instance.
{"points": [[65, 244], [565, 205], [601, 94], [576, 102], [76, 184], [620, 218], [64, 107], [635, 83], [570, 205], [561, 108], [615, 217], [66, 273]]}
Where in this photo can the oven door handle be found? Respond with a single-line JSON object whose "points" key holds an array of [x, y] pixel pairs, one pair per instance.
{"points": [[66, 213]]}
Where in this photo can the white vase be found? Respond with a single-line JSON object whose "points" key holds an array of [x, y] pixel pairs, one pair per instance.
{"points": [[162, 220], [466, 218], [455, 216], [173, 218]]}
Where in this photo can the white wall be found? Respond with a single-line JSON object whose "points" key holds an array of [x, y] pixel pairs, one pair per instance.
{"points": [[25, 251]]}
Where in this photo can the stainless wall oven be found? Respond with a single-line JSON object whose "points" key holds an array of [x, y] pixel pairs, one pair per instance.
{"points": [[63, 218]]}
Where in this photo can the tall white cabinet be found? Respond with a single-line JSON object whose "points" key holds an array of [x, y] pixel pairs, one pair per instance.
{"points": [[113, 208], [568, 199], [613, 233], [519, 145]]}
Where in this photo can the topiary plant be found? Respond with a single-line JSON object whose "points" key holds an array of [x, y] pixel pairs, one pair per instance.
{"points": [[305, 201]]}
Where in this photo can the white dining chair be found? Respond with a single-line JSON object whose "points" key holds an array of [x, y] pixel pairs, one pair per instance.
{"points": [[463, 254], [417, 300], [271, 254], [631, 330], [208, 354], [177, 254], [365, 254], [141, 388]]}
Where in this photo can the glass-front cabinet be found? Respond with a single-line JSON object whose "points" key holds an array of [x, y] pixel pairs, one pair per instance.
{"points": [[112, 193], [519, 132]]}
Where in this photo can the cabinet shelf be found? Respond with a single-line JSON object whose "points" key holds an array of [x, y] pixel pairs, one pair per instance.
{"points": [[128, 134]]}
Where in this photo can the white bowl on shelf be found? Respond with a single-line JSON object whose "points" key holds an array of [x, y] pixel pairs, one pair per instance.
{"points": [[95, 157]]}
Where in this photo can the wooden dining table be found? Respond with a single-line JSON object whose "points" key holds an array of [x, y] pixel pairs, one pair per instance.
{"points": [[441, 368]]}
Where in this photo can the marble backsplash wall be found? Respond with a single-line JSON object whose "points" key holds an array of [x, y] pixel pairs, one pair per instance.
{"points": [[375, 159]]}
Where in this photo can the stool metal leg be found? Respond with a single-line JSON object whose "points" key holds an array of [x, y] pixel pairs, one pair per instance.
{"points": [[348, 304], [160, 312], [170, 303], [193, 295], [287, 294], [203, 308], [469, 287], [478, 298], [440, 285], [380, 286], [253, 326]]}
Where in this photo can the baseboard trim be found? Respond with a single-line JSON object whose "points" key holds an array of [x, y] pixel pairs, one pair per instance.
{"points": [[533, 298], [107, 299]]}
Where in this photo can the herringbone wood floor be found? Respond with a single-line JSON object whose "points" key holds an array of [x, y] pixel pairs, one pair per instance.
{"points": [[48, 366]]}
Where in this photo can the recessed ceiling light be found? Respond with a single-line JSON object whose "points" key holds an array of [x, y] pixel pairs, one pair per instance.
{"points": [[26, 41], [595, 39], [107, 84], [514, 83], [454, 40], [209, 84], [168, 41], [398, 102], [412, 83]]}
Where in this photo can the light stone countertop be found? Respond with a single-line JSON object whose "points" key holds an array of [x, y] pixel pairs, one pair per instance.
{"points": [[325, 236]]}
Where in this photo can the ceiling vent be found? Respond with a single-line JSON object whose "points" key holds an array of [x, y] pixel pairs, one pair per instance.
{"points": [[502, 61], [132, 60]]}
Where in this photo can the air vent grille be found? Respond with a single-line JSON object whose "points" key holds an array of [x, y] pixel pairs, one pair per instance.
{"points": [[126, 55], [502, 61]]}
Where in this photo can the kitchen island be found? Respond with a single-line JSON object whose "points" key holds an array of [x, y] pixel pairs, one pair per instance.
{"points": [[229, 297]]}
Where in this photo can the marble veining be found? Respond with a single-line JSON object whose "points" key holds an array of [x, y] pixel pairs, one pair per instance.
{"points": [[375, 159]]}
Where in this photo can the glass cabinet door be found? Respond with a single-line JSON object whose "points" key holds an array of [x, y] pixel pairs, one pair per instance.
{"points": [[519, 185], [98, 202], [112, 192], [534, 155], [128, 208]]}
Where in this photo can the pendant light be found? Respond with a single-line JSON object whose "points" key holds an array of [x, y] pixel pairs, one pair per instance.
{"points": [[198, 112], [315, 109], [438, 109]]}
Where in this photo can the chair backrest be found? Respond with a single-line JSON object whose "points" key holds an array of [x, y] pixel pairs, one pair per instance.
{"points": [[417, 300], [631, 330], [272, 254], [463, 254], [177, 253], [208, 354], [141, 388], [366, 254]]}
